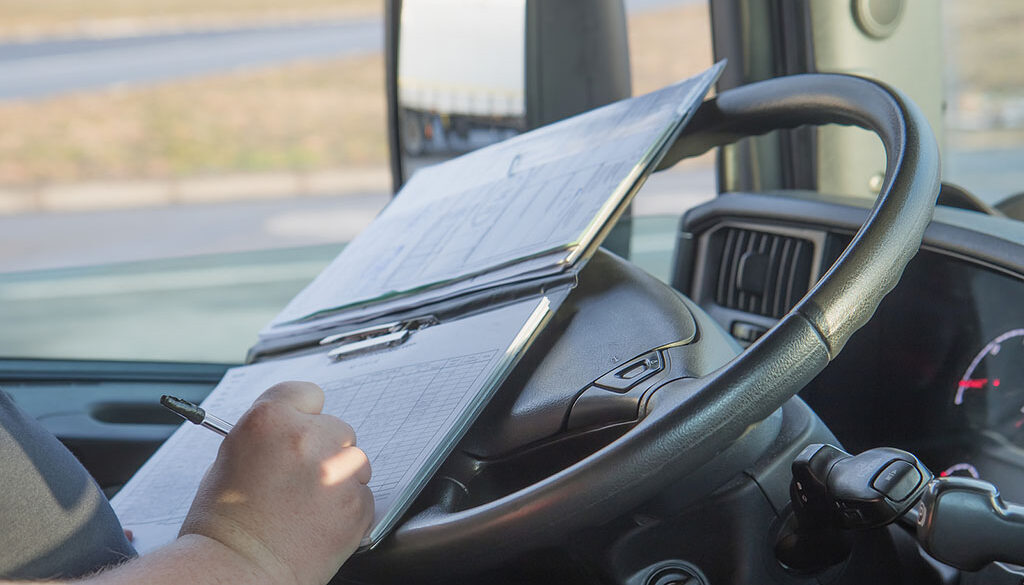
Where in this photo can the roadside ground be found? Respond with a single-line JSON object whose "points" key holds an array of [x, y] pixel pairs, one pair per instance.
{"points": [[308, 128]]}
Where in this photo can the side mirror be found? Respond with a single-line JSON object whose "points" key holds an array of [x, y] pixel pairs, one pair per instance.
{"points": [[462, 74]]}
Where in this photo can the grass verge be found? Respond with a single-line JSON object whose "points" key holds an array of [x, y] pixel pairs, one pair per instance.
{"points": [[295, 118], [298, 118]]}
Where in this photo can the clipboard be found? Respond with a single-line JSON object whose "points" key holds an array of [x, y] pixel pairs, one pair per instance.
{"points": [[409, 401], [410, 366]]}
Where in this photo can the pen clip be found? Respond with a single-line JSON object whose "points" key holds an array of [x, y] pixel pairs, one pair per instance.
{"points": [[364, 333], [375, 337], [369, 344]]}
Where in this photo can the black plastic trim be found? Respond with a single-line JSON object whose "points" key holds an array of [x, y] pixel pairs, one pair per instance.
{"points": [[992, 242], [32, 370]]}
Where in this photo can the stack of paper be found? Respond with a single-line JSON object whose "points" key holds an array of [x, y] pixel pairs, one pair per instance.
{"points": [[520, 209]]}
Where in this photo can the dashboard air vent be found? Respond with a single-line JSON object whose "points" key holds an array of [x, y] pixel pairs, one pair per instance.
{"points": [[760, 272]]}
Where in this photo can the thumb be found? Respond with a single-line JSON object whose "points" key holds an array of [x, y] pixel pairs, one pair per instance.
{"points": [[305, 397]]}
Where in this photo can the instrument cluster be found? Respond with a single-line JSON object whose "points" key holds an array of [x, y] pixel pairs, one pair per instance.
{"points": [[939, 372]]}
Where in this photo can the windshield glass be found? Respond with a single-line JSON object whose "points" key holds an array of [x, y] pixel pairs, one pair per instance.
{"points": [[985, 98], [172, 172], [142, 137], [155, 154]]}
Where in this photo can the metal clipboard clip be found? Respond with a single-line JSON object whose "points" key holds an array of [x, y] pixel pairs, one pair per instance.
{"points": [[374, 337]]}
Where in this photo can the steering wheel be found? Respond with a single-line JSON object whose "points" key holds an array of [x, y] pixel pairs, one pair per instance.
{"points": [[691, 419]]}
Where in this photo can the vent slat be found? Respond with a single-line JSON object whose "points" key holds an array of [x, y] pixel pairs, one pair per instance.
{"points": [[768, 299], [787, 264], [741, 295], [723, 268], [780, 300], [797, 255], [733, 291], [755, 300]]}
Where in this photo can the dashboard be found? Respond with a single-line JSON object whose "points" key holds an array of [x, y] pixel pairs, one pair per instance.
{"points": [[938, 371]]}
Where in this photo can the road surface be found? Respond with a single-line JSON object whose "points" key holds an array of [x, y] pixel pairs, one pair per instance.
{"points": [[51, 240], [35, 70], [209, 308]]}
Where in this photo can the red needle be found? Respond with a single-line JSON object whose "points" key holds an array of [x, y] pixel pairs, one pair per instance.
{"points": [[977, 383]]}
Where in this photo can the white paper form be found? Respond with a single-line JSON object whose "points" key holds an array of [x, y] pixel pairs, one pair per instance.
{"points": [[541, 194], [409, 405]]}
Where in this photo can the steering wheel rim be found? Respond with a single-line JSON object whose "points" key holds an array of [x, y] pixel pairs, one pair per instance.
{"points": [[690, 420]]}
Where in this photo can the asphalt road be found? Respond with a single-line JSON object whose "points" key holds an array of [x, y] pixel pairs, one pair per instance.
{"points": [[39, 69], [206, 308], [51, 240], [209, 307], [36, 70]]}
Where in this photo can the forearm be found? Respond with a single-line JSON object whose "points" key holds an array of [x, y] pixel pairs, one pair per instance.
{"points": [[292, 522], [191, 559]]}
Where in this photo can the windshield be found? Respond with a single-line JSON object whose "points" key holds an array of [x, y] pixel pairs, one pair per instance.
{"points": [[172, 172], [984, 97]]}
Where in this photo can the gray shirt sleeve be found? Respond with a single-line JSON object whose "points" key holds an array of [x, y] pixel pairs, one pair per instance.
{"points": [[56, 521]]}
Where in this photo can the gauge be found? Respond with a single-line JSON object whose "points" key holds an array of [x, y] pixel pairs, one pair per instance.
{"points": [[961, 470], [991, 391]]}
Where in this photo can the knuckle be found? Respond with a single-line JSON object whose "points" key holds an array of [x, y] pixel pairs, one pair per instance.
{"points": [[265, 408], [267, 420], [364, 459], [275, 391], [300, 440], [368, 506], [291, 387], [348, 434], [278, 387], [358, 503], [360, 454], [261, 415], [337, 431]]}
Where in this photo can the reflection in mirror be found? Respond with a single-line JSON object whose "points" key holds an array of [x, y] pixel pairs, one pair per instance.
{"points": [[463, 74], [460, 77]]}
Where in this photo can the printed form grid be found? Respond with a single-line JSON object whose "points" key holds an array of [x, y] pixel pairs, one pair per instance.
{"points": [[400, 413]]}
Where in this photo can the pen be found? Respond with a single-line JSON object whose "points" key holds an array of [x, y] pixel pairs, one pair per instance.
{"points": [[196, 415]]}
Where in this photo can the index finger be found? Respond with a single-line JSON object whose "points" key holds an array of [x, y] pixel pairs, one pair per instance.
{"points": [[305, 397]]}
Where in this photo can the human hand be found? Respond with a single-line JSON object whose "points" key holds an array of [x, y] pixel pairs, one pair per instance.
{"points": [[288, 489]]}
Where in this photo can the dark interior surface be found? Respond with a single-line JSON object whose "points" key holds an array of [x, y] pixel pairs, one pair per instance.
{"points": [[107, 413], [906, 379], [896, 383]]}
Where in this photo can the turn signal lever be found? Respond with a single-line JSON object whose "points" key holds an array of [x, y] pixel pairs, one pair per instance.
{"points": [[964, 522], [961, 522]]}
